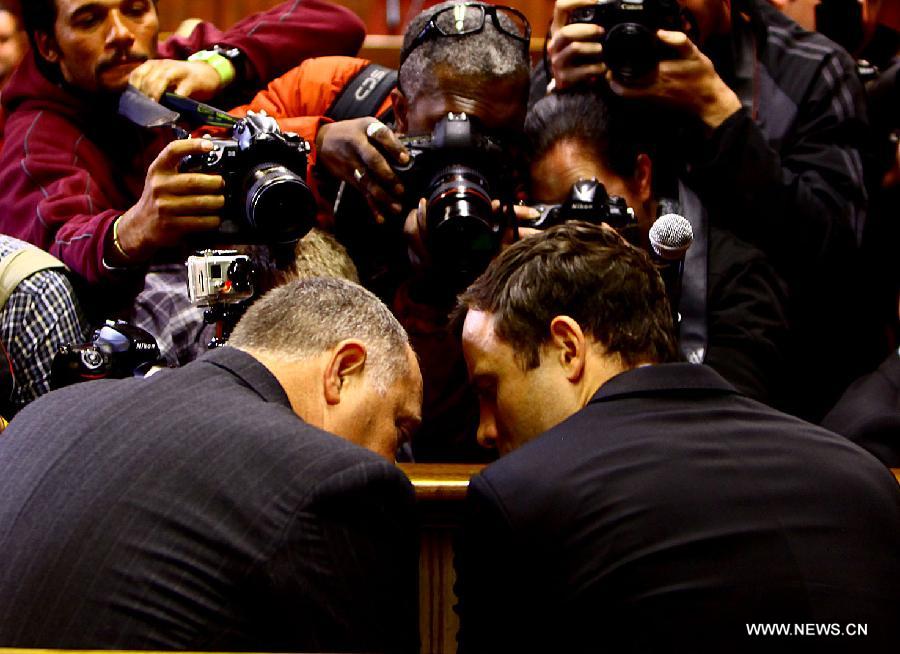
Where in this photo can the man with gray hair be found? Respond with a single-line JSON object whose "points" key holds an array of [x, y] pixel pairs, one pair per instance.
{"points": [[209, 508]]}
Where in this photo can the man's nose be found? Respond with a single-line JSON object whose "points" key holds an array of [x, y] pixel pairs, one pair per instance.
{"points": [[119, 29], [487, 429]]}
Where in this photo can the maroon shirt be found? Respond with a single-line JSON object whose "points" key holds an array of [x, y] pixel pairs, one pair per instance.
{"points": [[69, 166]]}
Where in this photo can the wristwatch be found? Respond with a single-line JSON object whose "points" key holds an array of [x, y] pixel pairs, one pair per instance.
{"points": [[227, 62]]}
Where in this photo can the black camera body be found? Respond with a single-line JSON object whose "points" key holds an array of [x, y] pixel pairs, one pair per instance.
{"points": [[267, 199], [588, 201], [460, 169], [630, 47], [117, 350]]}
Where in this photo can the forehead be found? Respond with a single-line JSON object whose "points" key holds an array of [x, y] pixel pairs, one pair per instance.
{"points": [[499, 104], [483, 350], [569, 160], [69, 7]]}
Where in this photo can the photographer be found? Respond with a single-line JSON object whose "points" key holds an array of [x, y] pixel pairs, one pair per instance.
{"points": [[732, 305], [103, 195], [766, 121]]}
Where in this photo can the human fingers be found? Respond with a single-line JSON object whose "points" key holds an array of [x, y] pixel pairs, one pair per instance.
{"points": [[678, 42], [377, 169], [152, 78], [386, 140], [190, 205], [196, 184], [577, 32], [171, 156], [185, 224]]}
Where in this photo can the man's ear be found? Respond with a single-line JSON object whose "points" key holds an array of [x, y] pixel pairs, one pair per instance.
{"points": [[643, 177], [401, 109], [346, 362], [46, 46], [780, 4], [569, 346]]}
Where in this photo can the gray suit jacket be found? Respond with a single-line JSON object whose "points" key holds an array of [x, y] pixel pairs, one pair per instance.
{"points": [[194, 510]]}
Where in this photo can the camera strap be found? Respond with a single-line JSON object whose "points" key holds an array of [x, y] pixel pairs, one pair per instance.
{"points": [[22, 264], [364, 93]]}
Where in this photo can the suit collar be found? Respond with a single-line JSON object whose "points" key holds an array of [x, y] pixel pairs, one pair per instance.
{"points": [[662, 378], [250, 371]]}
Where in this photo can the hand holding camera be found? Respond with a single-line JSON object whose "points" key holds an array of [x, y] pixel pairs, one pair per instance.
{"points": [[641, 49], [688, 82], [172, 204], [362, 152]]}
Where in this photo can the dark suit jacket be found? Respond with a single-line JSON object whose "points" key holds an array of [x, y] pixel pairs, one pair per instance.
{"points": [[194, 510], [667, 515], [869, 412]]}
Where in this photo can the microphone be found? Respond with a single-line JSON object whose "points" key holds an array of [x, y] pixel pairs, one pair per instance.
{"points": [[670, 237]]}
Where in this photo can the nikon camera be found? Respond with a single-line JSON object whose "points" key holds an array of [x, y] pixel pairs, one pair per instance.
{"points": [[267, 199], [630, 47], [117, 350], [460, 169], [589, 201]]}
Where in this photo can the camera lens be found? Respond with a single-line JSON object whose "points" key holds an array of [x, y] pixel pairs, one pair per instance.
{"points": [[630, 51], [279, 204], [463, 233]]}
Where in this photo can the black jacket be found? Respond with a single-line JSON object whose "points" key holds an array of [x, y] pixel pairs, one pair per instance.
{"points": [[669, 514], [194, 511]]}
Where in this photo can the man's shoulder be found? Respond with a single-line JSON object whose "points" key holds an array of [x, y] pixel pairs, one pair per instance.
{"points": [[790, 49]]}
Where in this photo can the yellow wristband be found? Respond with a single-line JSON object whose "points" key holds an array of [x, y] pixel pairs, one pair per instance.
{"points": [[116, 244], [220, 64]]}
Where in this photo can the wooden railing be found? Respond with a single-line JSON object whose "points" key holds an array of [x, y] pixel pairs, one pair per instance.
{"points": [[440, 491]]}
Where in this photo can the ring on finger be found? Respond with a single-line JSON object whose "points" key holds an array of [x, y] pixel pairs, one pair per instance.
{"points": [[358, 174], [374, 127]]}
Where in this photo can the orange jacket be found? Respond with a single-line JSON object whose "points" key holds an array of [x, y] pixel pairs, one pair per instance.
{"points": [[299, 98]]}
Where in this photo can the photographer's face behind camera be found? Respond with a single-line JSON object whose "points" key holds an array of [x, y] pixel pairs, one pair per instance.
{"points": [[497, 108], [498, 105], [570, 160], [98, 43]]}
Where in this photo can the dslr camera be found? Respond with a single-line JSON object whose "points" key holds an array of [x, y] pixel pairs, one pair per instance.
{"points": [[117, 350], [460, 169], [267, 199], [219, 277], [589, 201], [630, 47]]}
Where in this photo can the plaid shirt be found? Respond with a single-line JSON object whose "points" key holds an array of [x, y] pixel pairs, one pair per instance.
{"points": [[41, 314], [163, 309]]}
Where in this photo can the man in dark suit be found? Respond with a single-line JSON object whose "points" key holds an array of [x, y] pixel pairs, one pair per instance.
{"points": [[209, 508], [869, 412], [645, 505]]}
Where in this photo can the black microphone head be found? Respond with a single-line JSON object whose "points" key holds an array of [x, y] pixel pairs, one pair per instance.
{"points": [[671, 236]]}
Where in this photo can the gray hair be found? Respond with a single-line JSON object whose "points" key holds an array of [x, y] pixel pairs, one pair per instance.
{"points": [[483, 56], [319, 254], [306, 317]]}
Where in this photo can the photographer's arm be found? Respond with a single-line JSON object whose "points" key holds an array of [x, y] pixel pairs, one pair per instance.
{"points": [[273, 41], [171, 205], [801, 202]]}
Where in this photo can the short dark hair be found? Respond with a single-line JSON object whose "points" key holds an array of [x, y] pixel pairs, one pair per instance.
{"points": [[610, 129], [583, 271]]}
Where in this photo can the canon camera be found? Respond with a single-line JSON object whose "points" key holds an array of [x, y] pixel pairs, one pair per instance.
{"points": [[630, 46]]}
